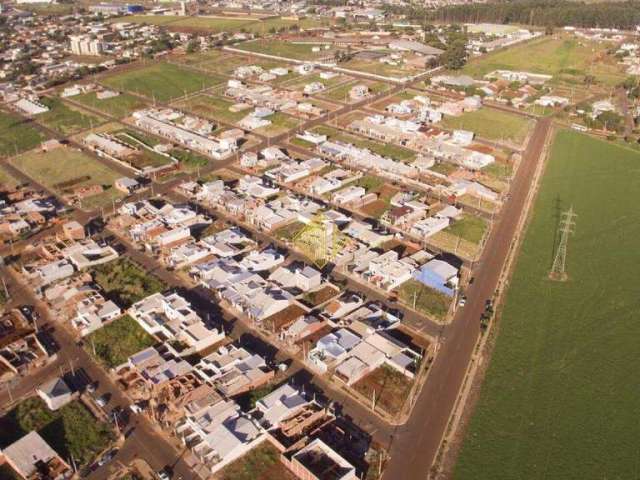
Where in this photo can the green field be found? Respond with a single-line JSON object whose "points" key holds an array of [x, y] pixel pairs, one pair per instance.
{"points": [[125, 282], [560, 397], [67, 165], [469, 228], [17, 134], [491, 124], [213, 108], [280, 123], [117, 341], [162, 81], [71, 430], [282, 48], [424, 299], [64, 118], [121, 106], [567, 59]]}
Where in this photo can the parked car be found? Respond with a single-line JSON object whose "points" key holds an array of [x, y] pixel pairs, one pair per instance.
{"points": [[462, 301], [107, 457], [165, 474], [102, 400]]}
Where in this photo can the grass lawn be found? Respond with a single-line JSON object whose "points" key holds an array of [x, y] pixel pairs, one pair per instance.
{"points": [[17, 134], [189, 160], [469, 228], [282, 48], [62, 165], [280, 123], [164, 80], [260, 463], [125, 282], [560, 397], [378, 68], [7, 179], [117, 341], [426, 300], [491, 124], [300, 82], [213, 108], [121, 106], [390, 386], [565, 58], [71, 430], [64, 118]]}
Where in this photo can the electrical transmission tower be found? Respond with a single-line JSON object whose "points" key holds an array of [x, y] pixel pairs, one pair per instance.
{"points": [[567, 222]]}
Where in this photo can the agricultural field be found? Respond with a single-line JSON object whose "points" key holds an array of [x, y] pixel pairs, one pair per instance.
{"points": [[162, 81], [17, 134], [114, 343], [559, 397], [64, 118], [71, 430], [281, 48], [65, 168], [492, 124], [566, 58], [119, 107]]}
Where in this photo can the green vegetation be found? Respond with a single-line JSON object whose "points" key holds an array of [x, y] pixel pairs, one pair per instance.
{"points": [[7, 179], [213, 108], [289, 232], [280, 123], [189, 159], [491, 124], [469, 228], [282, 48], [71, 430], [64, 169], [370, 183], [164, 81], [64, 118], [121, 106], [424, 299], [559, 397], [391, 388], [117, 341], [565, 58], [125, 282], [17, 134], [260, 463]]}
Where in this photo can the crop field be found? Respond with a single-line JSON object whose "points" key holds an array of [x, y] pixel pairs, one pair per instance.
{"points": [[567, 59], [492, 124], [281, 48], [66, 165], [17, 134], [560, 397], [64, 118], [121, 106], [164, 81]]}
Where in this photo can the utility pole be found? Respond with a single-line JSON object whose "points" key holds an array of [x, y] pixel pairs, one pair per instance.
{"points": [[567, 222]]}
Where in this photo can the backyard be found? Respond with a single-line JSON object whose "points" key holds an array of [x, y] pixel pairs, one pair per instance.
{"points": [[560, 396], [162, 81], [114, 343], [17, 134], [124, 282], [71, 430]]}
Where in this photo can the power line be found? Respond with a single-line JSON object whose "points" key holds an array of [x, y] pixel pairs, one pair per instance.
{"points": [[567, 222]]}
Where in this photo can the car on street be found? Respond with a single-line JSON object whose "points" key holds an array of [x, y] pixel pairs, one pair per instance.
{"points": [[462, 301]]}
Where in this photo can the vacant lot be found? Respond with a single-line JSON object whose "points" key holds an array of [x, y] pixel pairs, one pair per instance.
{"points": [[281, 48], [560, 398], [469, 228], [117, 341], [492, 124], [71, 430], [213, 108], [121, 106], [64, 118], [125, 282], [391, 388], [261, 463], [68, 165], [17, 134], [424, 299], [280, 123], [567, 59], [162, 81]]}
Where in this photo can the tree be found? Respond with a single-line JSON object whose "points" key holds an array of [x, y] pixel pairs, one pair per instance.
{"points": [[455, 57], [192, 46]]}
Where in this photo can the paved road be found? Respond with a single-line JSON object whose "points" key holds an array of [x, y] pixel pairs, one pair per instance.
{"points": [[416, 443]]}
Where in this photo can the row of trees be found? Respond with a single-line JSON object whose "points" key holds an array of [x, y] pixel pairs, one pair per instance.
{"points": [[558, 13]]}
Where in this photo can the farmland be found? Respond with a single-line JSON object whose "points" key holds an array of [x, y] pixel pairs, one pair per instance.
{"points": [[492, 125], [17, 134], [568, 60], [559, 396], [162, 81], [64, 165]]}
